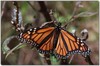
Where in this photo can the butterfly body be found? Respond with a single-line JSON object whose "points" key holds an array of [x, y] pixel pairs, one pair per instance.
{"points": [[54, 40]]}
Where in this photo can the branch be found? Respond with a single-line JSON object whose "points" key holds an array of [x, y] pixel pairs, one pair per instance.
{"points": [[17, 18], [47, 57], [31, 5], [71, 59], [3, 7], [47, 16], [84, 34], [17, 7], [37, 12], [88, 59], [77, 6], [44, 11]]}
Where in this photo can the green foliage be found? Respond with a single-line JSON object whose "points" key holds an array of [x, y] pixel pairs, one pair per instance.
{"points": [[5, 47], [6, 50], [54, 60], [24, 8], [62, 19]]}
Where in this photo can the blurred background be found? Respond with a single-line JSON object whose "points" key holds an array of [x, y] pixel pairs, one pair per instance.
{"points": [[32, 14]]}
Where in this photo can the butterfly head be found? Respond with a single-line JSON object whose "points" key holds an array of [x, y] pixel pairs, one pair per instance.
{"points": [[59, 25]]}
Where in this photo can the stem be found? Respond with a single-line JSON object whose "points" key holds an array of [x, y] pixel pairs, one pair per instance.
{"points": [[46, 14], [47, 57], [88, 59], [3, 8], [43, 9], [17, 7], [37, 12], [18, 24], [71, 59], [31, 5], [73, 14], [13, 50]]}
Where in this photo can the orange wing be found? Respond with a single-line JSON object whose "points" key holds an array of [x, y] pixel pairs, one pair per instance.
{"points": [[83, 48], [42, 38], [67, 45]]}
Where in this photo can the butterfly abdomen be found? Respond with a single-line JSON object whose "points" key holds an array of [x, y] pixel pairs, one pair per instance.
{"points": [[56, 35]]}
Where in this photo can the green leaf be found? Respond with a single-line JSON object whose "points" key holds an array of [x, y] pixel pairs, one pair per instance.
{"points": [[24, 8], [54, 60], [21, 46], [5, 48], [9, 52]]}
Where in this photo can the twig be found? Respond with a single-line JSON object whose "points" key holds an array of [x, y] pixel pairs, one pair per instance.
{"points": [[47, 57], [71, 59], [16, 21], [88, 59], [84, 34], [17, 7], [47, 16], [77, 5], [52, 16], [31, 5], [5, 47], [13, 50], [37, 12], [3, 7], [43, 9], [17, 18], [42, 58]]}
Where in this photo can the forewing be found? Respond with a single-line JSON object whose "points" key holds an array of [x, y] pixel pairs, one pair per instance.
{"points": [[41, 38]]}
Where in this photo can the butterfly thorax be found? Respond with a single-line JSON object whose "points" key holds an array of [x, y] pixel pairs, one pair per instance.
{"points": [[58, 26]]}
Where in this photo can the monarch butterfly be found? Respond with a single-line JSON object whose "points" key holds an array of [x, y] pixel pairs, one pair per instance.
{"points": [[54, 40]]}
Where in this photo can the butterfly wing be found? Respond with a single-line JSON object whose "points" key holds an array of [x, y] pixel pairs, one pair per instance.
{"points": [[83, 48], [67, 45], [41, 38], [44, 40]]}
